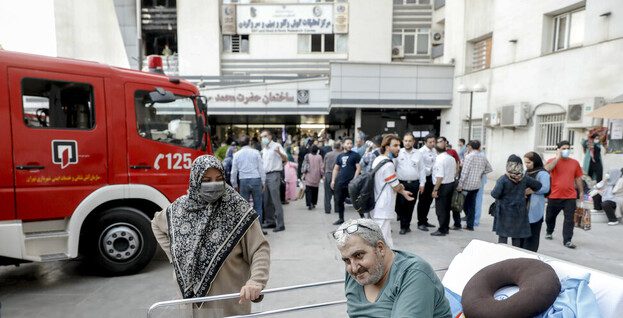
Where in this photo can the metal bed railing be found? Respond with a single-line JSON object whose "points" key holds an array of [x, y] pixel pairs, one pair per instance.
{"points": [[264, 292]]}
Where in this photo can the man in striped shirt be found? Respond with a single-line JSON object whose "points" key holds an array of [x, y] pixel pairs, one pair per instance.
{"points": [[386, 186]]}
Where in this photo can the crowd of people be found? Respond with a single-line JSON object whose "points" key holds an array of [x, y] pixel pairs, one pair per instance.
{"points": [[215, 239]]}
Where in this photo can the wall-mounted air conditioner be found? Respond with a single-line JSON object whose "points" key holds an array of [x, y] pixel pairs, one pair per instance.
{"points": [[398, 51], [437, 38], [490, 119], [577, 110], [515, 115]]}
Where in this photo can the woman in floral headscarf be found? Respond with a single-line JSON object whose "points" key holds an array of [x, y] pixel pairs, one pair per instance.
{"points": [[214, 240], [511, 215]]}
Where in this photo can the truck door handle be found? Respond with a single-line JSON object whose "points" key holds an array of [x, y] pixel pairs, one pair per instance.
{"points": [[140, 167], [29, 167]]}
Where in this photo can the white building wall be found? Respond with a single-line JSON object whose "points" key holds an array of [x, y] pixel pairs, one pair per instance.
{"points": [[199, 37], [28, 26], [89, 30], [370, 31], [522, 72]]}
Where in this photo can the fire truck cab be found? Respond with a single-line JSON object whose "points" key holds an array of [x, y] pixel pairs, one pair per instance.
{"points": [[88, 154]]}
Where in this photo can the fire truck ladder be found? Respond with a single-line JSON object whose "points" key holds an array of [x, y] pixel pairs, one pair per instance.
{"points": [[257, 314]]}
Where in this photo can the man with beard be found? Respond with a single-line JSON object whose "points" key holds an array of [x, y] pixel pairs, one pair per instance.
{"points": [[426, 198], [385, 283], [386, 186], [412, 175]]}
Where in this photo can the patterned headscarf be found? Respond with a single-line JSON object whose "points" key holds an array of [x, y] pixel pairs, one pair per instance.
{"points": [[203, 234], [514, 168]]}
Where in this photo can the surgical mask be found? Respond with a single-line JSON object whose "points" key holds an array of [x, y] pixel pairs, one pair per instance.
{"points": [[265, 141], [596, 141], [391, 155], [607, 176], [565, 153], [212, 191]]}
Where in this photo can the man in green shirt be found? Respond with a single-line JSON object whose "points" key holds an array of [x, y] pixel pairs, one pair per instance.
{"points": [[386, 283]]}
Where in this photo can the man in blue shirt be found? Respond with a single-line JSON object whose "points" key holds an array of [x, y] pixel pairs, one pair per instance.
{"points": [[381, 282], [346, 168], [247, 167]]}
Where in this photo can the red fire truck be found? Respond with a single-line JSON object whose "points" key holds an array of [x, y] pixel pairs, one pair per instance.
{"points": [[88, 154]]}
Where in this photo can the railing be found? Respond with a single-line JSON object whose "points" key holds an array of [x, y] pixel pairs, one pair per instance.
{"points": [[258, 314]]}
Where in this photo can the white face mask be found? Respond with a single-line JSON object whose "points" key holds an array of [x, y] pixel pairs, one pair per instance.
{"points": [[212, 191], [596, 141], [265, 141], [565, 153]]}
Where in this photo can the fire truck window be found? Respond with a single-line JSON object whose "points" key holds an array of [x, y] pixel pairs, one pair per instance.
{"points": [[173, 123], [56, 104]]}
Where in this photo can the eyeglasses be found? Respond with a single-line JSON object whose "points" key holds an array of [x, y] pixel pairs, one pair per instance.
{"points": [[350, 230]]}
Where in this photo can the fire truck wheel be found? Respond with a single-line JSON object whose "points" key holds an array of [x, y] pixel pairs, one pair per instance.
{"points": [[122, 241]]}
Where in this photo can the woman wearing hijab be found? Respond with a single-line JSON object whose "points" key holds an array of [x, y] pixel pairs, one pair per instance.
{"points": [[536, 200], [511, 214], [610, 195], [213, 238], [312, 177]]}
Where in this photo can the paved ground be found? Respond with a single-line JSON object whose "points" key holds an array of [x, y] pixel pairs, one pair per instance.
{"points": [[304, 253]]}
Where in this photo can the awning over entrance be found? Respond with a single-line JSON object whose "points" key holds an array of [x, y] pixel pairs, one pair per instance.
{"points": [[395, 85], [298, 97]]}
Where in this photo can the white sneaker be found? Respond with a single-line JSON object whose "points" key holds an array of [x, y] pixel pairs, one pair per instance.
{"points": [[613, 223]]}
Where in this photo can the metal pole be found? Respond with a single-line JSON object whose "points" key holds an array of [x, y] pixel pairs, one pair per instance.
{"points": [[469, 124]]}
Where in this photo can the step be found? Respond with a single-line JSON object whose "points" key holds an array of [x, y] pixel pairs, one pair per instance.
{"points": [[45, 235], [53, 257]]}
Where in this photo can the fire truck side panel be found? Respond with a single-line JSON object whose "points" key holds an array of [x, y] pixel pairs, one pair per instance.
{"points": [[160, 161], [7, 179], [59, 160], [117, 138]]}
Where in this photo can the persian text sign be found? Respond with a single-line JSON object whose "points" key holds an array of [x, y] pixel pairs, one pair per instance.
{"points": [[292, 18], [242, 99]]}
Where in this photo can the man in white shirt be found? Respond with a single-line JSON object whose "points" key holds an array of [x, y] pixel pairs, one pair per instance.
{"points": [[444, 172], [386, 186], [426, 198], [273, 156], [412, 175]]}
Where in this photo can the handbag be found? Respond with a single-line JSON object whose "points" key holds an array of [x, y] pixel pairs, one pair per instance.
{"points": [[458, 199], [492, 209], [582, 218]]}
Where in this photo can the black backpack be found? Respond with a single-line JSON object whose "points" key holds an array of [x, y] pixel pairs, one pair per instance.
{"points": [[361, 190]]}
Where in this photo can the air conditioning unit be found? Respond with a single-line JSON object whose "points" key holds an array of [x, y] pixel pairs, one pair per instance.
{"points": [[490, 119], [437, 38], [398, 51], [577, 110], [515, 115]]}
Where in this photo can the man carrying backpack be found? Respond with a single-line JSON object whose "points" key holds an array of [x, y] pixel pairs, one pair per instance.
{"points": [[386, 186]]}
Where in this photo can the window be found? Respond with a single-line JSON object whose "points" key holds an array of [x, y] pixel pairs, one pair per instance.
{"points": [[568, 30], [318, 43], [56, 104], [481, 54], [478, 131], [413, 41], [173, 123], [322, 43], [551, 130], [237, 43]]}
